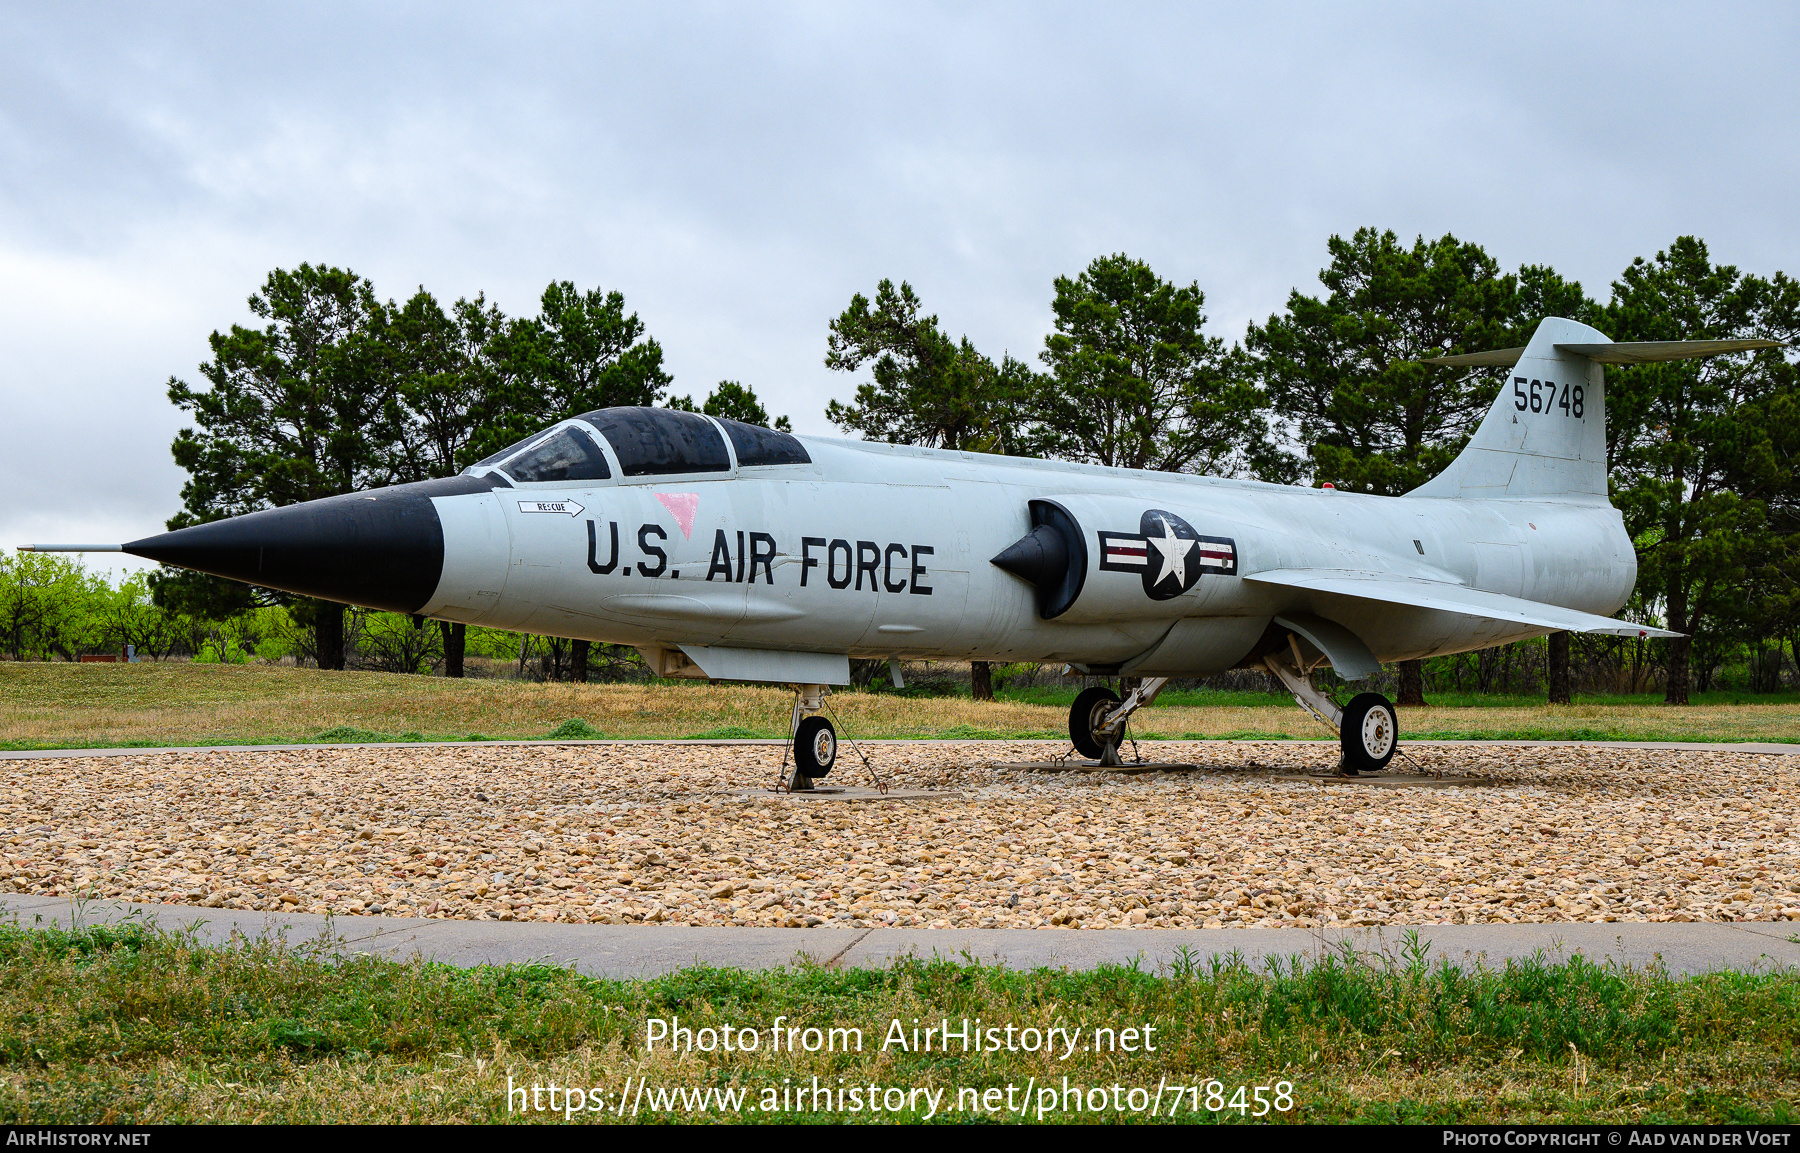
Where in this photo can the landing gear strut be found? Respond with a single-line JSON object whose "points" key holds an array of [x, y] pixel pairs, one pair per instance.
{"points": [[1368, 731], [815, 741], [1097, 719]]}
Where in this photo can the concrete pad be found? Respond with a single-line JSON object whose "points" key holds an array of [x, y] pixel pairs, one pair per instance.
{"points": [[649, 950], [1390, 780], [1096, 767], [844, 793], [618, 950]]}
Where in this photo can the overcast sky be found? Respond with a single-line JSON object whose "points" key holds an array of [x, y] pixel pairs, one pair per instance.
{"points": [[738, 171]]}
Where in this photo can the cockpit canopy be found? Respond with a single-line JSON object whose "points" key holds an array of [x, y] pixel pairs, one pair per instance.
{"points": [[566, 454], [645, 442]]}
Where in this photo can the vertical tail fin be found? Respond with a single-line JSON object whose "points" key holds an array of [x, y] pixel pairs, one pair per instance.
{"points": [[1545, 437]]}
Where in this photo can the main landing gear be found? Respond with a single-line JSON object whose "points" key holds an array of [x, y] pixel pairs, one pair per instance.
{"points": [[815, 741], [1368, 731], [1097, 719], [1367, 728]]}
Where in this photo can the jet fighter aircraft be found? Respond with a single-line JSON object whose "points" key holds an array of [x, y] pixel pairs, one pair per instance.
{"points": [[732, 552]]}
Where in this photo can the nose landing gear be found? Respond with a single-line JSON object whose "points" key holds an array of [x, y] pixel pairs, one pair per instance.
{"points": [[815, 740], [815, 751]]}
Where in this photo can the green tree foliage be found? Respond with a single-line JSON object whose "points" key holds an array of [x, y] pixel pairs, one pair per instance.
{"points": [[131, 617], [927, 389], [304, 407], [1543, 292], [447, 381], [1703, 451], [733, 401], [581, 352], [1135, 383], [396, 644], [48, 606], [298, 409], [1343, 375], [201, 595]]}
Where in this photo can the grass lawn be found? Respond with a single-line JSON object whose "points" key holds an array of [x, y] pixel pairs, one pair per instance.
{"points": [[124, 1025], [55, 705]]}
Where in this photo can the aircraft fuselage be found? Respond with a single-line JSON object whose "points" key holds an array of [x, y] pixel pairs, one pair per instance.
{"points": [[882, 551]]}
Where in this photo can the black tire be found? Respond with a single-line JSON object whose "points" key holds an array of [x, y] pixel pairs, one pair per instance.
{"points": [[815, 747], [1369, 734], [1085, 715]]}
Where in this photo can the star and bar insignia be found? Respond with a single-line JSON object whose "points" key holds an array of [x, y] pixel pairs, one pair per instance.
{"points": [[1167, 553]]}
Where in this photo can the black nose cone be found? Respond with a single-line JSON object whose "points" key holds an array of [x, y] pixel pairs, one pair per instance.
{"points": [[381, 549]]}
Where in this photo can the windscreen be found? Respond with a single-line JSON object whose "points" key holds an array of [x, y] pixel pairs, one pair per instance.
{"points": [[757, 445], [568, 454], [515, 446], [660, 441]]}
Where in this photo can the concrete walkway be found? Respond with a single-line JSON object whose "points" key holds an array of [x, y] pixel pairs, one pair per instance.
{"points": [[37, 754], [648, 950]]}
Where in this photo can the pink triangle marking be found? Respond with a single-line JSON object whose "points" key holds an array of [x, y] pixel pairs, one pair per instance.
{"points": [[682, 505]]}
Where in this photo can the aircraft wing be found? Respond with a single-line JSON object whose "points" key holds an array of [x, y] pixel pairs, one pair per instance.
{"points": [[1449, 598]]}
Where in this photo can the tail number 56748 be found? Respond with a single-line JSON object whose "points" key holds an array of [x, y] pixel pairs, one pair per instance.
{"points": [[1542, 396]]}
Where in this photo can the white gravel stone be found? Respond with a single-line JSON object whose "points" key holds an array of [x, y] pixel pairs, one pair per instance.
{"points": [[635, 833]]}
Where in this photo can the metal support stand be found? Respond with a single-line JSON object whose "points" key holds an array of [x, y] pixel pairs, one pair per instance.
{"points": [[1114, 724], [808, 699], [881, 786]]}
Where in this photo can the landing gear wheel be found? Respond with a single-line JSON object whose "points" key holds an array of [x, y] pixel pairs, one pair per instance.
{"points": [[1370, 732], [1085, 715], [815, 747]]}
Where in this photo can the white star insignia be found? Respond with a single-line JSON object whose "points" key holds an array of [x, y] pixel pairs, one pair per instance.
{"points": [[1174, 553]]}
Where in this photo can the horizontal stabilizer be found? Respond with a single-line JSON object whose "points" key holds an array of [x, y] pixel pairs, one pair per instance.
{"points": [[1450, 598], [1647, 351], [1492, 359], [1613, 352]]}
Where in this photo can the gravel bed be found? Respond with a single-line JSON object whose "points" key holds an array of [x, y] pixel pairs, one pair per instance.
{"points": [[638, 833]]}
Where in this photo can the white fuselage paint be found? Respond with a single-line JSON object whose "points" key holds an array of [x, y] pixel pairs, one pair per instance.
{"points": [[512, 569]]}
